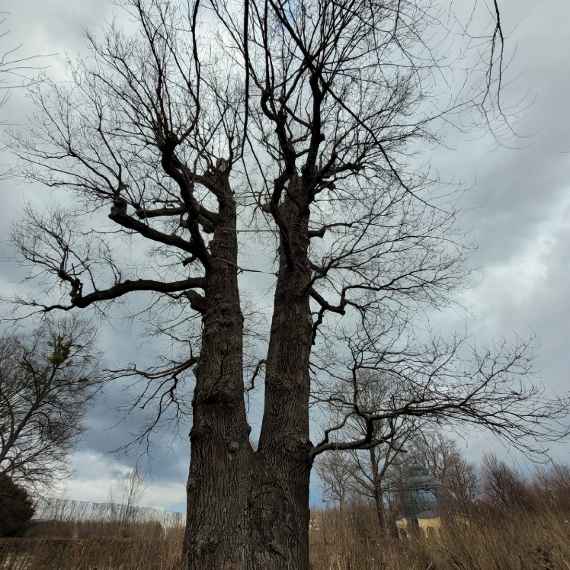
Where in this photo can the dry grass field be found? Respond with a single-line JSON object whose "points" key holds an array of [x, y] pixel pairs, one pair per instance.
{"points": [[488, 541], [96, 537], [520, 539]]}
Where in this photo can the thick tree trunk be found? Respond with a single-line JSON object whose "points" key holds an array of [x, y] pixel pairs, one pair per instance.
{"points": [[250, 510], [218, 532], [281, 496]]}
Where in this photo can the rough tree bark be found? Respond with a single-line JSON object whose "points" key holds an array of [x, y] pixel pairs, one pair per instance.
{"points": [[221, 461], [248, 511], [281, 498]]}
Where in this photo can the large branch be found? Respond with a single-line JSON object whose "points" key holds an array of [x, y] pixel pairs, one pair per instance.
{"points": [[510, 415], [78, 300], [118, 215], [144, 213], [128, 286]]}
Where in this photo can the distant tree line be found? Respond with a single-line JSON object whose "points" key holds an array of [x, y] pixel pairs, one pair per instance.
{"points": [[463, 488]]}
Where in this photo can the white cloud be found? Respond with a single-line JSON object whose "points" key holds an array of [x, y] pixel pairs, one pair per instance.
{"points": [[100, 478]]}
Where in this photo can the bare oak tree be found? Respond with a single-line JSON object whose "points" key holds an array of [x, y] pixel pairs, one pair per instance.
{"points": [[299, 123], [46, 377]]}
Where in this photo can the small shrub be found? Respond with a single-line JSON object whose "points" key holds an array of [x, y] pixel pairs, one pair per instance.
{"points": [[16, 507]]}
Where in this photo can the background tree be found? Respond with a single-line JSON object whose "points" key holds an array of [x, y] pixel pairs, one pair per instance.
{"points": [[298, 124], [374, 473], [502, 485], [133, 488], [336, 472], [46, 377], [16, 506], [554, 483], [367, 473], [459, 483]]}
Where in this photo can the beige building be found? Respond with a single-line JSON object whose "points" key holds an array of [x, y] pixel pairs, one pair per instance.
{"points": [[426, 524]]}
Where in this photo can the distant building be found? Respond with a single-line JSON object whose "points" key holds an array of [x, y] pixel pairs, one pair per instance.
{"points": [[418, 494]]}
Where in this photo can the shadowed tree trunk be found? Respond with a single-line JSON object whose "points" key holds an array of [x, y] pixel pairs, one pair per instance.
{"points": [[246, 511], [281, 498], [221, 454]]}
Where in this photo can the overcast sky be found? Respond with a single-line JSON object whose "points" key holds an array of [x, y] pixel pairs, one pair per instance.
{"points": [[517, 210]]}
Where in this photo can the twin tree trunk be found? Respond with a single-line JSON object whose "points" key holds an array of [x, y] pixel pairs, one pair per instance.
{"points": [[249, 509]]}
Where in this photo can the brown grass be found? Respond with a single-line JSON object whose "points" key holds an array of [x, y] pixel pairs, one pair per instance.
{"points": [[492, 539], [488, 541], [99, 553], [83, 536]]}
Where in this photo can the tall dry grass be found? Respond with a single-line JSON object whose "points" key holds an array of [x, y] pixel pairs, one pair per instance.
{"points": [[96, 553], [520, 522], [73, 535], [534, 534], [484, 540]]}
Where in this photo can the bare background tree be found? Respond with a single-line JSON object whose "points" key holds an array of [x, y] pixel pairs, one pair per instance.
{"points": [[336, 472], [502, 485], [300, 123], [367, 470], [375, 475], [126, 506], [46, 378], [458, 479]]}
